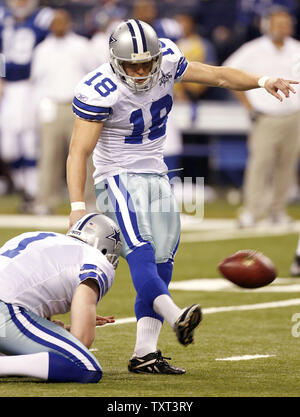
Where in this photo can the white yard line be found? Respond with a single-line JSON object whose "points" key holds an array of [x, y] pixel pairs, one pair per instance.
{"points": [[214, 236], [249, 307], [193, 229], [25, 221], [280, 285], [244, 357]]}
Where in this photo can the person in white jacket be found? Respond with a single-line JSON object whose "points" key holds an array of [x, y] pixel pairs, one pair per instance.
{"points": [[273, 142], [58, 64]]}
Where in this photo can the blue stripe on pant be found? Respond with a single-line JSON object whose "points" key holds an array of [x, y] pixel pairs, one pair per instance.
{"points": [[124, 211], [146, 210], [69, 359], [147, 234]]}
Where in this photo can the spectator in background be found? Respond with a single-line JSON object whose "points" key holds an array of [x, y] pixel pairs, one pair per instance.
{"points": [[165, 27], [103, 21], [195, 48], [218, 20], [22, 27], [58, 64], [250, 12], [5, 179], [274, 139], [99, 17]]}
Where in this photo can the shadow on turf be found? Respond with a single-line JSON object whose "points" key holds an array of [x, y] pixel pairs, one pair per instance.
{"points": [[20, 379]]}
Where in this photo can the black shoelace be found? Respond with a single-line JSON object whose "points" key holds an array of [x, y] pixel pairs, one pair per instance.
{"points": [[161, 358]]}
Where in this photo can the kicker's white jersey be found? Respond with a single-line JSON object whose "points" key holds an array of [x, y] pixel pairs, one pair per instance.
{"points": [[134, 124], [40, 271]]}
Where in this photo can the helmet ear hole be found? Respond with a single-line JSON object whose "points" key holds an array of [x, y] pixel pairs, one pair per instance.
{"points": [[100, 232]]}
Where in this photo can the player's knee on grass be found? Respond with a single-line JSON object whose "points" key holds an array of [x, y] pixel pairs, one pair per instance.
{"points": [[62, 369]]}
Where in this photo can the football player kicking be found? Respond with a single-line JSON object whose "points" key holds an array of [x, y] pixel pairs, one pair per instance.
{"points": [[45, 273], [122, 110]]}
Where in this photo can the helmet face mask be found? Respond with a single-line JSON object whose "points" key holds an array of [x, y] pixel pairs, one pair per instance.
{"points": [[135, 42], [133, 82], [100, 232]]}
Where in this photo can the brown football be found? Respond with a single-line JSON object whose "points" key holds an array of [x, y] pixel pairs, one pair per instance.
{"points": [[248, 269]]}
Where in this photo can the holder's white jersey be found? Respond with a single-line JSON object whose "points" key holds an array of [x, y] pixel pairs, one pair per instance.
{"points": [[134, 124], [40, 271]]}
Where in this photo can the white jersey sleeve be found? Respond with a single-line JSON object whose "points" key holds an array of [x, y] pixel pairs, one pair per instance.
{"points": [[95, 104], [97, 268], [173, 54]]}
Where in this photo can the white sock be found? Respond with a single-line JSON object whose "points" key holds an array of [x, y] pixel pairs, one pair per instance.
{"points": [[298, 248], [35, 365], [165, 307], [147, 334]]}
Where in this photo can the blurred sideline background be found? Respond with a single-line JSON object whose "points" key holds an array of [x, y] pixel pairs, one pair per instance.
{"points": [[208, 127], [208, 137]]}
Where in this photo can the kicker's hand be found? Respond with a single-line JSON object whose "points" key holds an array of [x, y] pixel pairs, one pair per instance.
{"points": [[100, 321], [276, 85]]}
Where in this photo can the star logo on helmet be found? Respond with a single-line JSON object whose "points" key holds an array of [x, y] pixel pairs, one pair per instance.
{"points": [[115, 236], [165, 78], [112, 39]]}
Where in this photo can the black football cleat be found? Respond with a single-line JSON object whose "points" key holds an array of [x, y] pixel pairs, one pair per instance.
{"points": [[153, 363], [184, 326]]}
